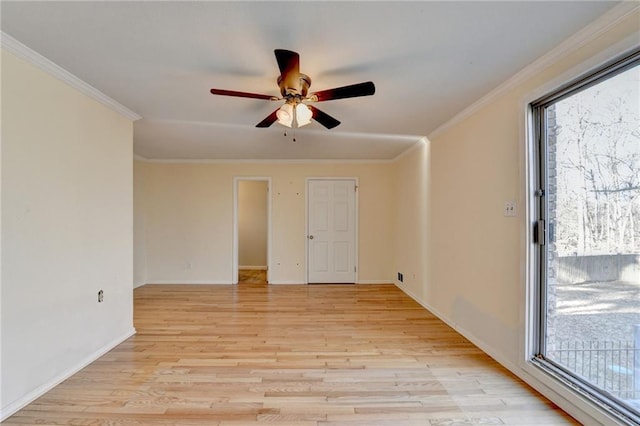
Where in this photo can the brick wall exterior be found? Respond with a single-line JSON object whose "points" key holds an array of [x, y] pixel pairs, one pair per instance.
{"points": [[552, 255]]}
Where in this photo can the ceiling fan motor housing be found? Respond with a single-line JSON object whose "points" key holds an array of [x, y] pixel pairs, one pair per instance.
{"points": [[301, 89]]}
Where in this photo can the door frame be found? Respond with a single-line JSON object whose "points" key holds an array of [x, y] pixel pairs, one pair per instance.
{"points": [[580, 392], [235, 245], [356, 181]]}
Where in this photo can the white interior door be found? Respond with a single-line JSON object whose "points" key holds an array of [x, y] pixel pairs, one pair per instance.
{"points": [[331, 231]]}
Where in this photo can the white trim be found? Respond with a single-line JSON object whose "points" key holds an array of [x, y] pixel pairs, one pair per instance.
{"points": [[419, 143], [601, 25], [235, 246], [356, 224], [542, 384], [574, 404], [306, 231], [34, 58], [388, 137], [12, 408], [259, 161], [479, 343], [367, 282], [253, 267], [139, 284], [289, 282], [619, 49], [190, 282]]}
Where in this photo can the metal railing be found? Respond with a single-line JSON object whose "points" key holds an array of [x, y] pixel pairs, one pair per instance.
{"points": [[611, 366]]}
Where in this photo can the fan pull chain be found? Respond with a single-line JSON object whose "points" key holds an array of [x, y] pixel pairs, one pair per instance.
{"points": [[294, 135]]}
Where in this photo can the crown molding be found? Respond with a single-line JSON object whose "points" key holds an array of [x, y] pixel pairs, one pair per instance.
{"points": [[21, 51], [419, 143], [587, 34], [142, 159]]}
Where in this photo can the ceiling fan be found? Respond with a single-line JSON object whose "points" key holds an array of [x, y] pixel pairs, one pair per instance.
{"points": [[294, 87]]}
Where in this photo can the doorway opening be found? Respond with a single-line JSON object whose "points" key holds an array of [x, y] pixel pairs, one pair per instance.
{"points": [[252, 226]]}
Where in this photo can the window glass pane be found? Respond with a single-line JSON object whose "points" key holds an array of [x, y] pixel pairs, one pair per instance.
{"points": [[593, 254]]}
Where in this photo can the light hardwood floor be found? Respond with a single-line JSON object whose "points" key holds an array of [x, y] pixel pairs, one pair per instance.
{"points": [[296, 355], [252, 276]]}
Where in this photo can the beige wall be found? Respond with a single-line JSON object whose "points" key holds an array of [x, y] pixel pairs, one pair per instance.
{"points": [[469, 261], [476, 269], [139, 228], [189, 219], [252, 224], [66, 231], [411, 220], [477, 254]]}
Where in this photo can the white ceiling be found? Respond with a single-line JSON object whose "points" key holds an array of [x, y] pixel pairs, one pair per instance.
{"points": [[429, 61]]}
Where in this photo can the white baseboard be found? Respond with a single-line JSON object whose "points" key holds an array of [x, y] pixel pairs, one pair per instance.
{"points": [[260, 268], [12, 408], [375, 282], [140, 284], [189, 282], [469, 336], [579, 410]]}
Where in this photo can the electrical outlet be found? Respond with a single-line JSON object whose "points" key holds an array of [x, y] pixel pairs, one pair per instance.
{"points": [[100, 296], [509, 208], [400, 277]]}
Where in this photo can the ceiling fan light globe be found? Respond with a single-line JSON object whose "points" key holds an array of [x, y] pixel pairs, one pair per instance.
{"points": [[285, 115], [303, 114]]}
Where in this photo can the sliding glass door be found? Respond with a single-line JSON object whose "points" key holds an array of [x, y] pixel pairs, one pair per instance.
{"points": [[588, 235]]}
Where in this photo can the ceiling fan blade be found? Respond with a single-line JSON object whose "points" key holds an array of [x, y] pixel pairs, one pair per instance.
{"points": [[287, 61], [271, 118], [241, 94], [323, 118], [352, 91], [289, 64]]}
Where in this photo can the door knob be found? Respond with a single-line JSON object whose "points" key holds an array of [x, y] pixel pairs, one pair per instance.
{"points": [[311, 237]]}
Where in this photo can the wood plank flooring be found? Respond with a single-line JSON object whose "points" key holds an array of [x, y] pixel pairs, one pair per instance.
{"points": [[290, 355], [252, 276]]}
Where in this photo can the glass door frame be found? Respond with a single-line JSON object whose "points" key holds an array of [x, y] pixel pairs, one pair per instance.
{"points": [[540, 237]]}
